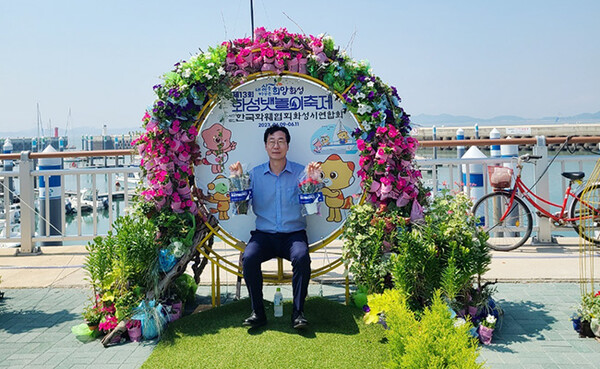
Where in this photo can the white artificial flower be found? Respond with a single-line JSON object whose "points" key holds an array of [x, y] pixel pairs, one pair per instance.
{"points": [[491, 319], [335, 64], [187, 73], [459, 321], [336, 73], [370, 84], [210, 65], [221, 71], [208, 76], [360, 95], [363, 109]]}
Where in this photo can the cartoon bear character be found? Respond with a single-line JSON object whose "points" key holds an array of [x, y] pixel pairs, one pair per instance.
{"points": [[325, 140], [337, 175], [343, 136], [217, 139], [219, 194]]}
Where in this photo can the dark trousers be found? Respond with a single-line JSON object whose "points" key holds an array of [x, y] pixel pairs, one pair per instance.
{"points": [[265, 246]]}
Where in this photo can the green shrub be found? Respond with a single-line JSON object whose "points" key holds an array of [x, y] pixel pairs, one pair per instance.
{"points": [[123, 266], [363, 251], [433, 341], [184, 288], [445, 250]]}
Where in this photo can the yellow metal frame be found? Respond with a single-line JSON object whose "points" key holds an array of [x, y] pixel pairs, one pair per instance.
{"points": [[217, 261]]}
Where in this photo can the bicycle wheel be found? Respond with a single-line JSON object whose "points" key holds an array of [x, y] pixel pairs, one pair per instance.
{"points": [[509, 233], [588, 229]]}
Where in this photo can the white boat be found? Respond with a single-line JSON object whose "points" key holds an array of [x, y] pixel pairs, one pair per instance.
{"points": [[86, 204], [133, 179]]}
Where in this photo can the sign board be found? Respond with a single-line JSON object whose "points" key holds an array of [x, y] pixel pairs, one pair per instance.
{"points": [[518, 131], [320, 129]]}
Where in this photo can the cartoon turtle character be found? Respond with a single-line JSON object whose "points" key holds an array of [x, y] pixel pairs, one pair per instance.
{"points": [[219, 194]]}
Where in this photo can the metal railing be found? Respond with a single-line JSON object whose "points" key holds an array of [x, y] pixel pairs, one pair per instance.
{"points": [[38, 209], [48, 232]]}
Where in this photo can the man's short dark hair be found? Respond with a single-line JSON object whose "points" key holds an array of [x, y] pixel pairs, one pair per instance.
{"points": [[275, 128]]}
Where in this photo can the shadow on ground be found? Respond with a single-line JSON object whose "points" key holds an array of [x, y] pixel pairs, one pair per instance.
{"points": [[522, 321]]}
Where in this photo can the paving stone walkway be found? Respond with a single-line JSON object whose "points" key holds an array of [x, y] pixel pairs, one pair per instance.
{"points": [[35, 329]]}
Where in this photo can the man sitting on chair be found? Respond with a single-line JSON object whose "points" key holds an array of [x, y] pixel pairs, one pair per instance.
{"points": [[280, 226]]}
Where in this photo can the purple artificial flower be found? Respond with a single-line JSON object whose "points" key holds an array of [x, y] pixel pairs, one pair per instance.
{"points": [[366, 308], [371, 96], [361, 78]]}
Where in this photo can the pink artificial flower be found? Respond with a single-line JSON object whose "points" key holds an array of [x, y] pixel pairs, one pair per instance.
{"points": [[174, 127], [360, 144], [161, 175], [416, 212], [374, 186], [381, 130]]}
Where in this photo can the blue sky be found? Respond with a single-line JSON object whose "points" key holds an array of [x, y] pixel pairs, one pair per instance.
{"points": [[479, 58]]}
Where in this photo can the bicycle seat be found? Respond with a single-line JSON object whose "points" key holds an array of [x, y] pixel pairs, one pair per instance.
{"points": [[573, 175]]}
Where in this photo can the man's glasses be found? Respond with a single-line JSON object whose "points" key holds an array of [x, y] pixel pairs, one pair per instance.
{"points": [[279, 142]]}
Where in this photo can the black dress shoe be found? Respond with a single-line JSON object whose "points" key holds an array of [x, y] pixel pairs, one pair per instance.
{"points": [[255, 320], [298, 320]]}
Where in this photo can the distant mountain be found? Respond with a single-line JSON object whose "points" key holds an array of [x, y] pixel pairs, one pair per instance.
{"points": [[425, 120]]}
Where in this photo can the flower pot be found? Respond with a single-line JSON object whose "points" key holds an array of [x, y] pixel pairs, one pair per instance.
{"points": [[312, 208], [177, 306], [485, 334], [135, 334], [595, 327], [586, 330], [577, 324], [472, 311], [92, 327]]}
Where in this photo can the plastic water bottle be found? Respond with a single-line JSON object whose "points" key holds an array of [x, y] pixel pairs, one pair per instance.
{"points": [[278, 303]]}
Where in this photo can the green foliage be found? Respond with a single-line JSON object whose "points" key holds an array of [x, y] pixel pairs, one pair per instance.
{"points": [[590, 306], [184, 288], [92, 313], [123, 266], [363, 251], [447, 251], [433, 341]]}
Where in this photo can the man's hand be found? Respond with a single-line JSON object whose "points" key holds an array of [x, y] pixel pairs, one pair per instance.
{"points": [[236, 169]]}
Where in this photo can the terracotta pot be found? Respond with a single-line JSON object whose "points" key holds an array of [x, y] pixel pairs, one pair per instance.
{"points": [[92, 327]]}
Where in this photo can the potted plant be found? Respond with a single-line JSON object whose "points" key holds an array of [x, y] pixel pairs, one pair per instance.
{"points": [[92, 315], [134, 330], [589, 311], [486, 329]]}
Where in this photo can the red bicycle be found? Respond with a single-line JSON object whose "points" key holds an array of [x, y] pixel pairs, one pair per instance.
{"points": [[508, 220]]}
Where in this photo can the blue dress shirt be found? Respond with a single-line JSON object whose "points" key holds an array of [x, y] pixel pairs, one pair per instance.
{"points": [[275, 198]]}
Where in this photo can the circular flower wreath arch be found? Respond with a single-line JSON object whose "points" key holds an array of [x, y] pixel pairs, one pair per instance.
{"points": [[168, 146]]}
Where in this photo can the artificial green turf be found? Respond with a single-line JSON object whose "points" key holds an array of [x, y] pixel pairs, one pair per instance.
{"points": [[335, 338]]}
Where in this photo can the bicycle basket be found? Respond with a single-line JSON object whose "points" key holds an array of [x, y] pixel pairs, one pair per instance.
{"points": [[500, 177]]}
